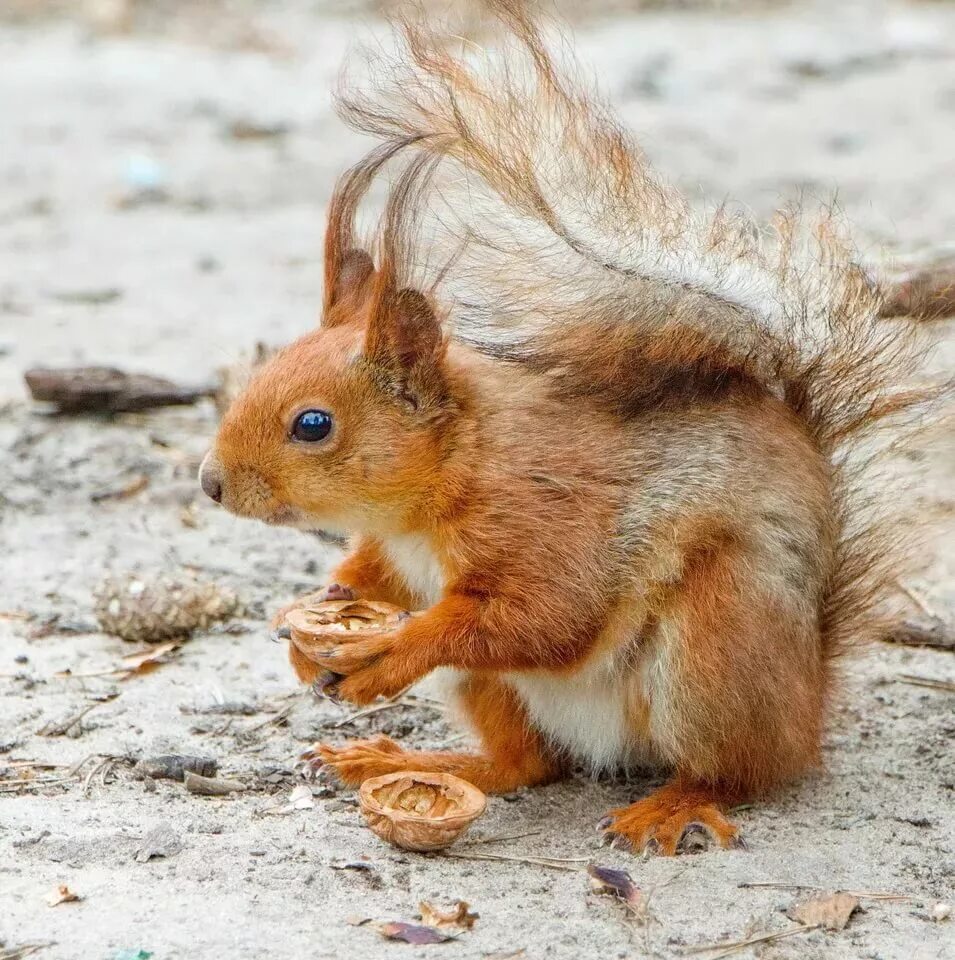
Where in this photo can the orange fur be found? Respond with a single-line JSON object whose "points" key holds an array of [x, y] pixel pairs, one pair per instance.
{"points": [[623, 506]]}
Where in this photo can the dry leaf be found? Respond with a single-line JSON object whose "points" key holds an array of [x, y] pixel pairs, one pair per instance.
{"points": [[62, 894], [458, 917], [617, 883], [830, 911], [412, 933], [136, 664], [162, 841]]}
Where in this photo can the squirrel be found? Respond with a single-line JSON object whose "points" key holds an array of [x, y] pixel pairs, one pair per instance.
{"points": [[610, 445]]}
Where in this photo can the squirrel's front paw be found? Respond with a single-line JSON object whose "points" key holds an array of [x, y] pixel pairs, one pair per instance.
{"points": [[376, 666]]}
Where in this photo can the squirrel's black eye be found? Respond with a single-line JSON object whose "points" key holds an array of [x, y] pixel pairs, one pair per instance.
{"points": [[311, 426]]}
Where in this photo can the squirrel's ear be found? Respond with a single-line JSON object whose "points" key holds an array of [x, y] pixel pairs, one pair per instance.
{"points": [[347, 286], [405, 342]]}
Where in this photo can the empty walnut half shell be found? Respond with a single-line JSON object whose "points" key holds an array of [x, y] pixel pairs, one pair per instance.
{"points": [[314, 625], [420, 811]]}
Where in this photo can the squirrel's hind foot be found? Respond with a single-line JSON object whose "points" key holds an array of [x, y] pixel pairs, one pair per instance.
{"points": [[677, 818], [355, 761]]}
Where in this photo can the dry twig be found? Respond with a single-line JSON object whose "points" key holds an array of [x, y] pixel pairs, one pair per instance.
{"points": [[931, 682], [726, 949]]}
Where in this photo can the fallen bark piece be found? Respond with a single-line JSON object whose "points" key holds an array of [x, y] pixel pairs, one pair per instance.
{"points": [[830, 911], [151, 611], [174, 766], [420, 811], [414, 933], [107, 390], [211, 786]]}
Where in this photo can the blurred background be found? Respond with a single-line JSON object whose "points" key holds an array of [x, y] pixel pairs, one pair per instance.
{"points": [[165, 165], [164, 172]]}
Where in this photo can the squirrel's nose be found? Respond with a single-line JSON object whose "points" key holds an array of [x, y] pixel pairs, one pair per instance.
{"points": [[210, 478]]}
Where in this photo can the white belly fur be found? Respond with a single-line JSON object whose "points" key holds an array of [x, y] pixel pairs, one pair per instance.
{"points": [[583, 712]]}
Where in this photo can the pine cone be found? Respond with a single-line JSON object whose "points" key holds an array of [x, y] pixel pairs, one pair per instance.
{"points": [[163, 609]]}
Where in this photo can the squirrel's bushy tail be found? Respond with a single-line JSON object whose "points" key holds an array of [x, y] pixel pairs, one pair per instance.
{"points": [[552, 242]]}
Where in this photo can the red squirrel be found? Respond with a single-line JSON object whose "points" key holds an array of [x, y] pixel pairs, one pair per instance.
{"points": [[602, 440]]}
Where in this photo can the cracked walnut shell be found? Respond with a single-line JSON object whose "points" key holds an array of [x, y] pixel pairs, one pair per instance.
{"points": [[420, 811], [313, 625]]}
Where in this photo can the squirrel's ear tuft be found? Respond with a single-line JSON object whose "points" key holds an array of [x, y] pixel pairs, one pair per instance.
{"points": [[405, 342], [347, 286]]}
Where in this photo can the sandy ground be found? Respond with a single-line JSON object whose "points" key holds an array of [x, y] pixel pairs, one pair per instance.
{"points": [[750, 105]]}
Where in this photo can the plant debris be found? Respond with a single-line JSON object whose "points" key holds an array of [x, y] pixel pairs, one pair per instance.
{"points": [[570, 864], [728, 948], [830, 911], [242, 129], [62, 894], [136, 664], [24, 950], [415, 933], [134, 485], [301, 798], [94, 297], [174, 766], [420, 811], [459, 917], [933, 683], [107, 390], [60, 728]]}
